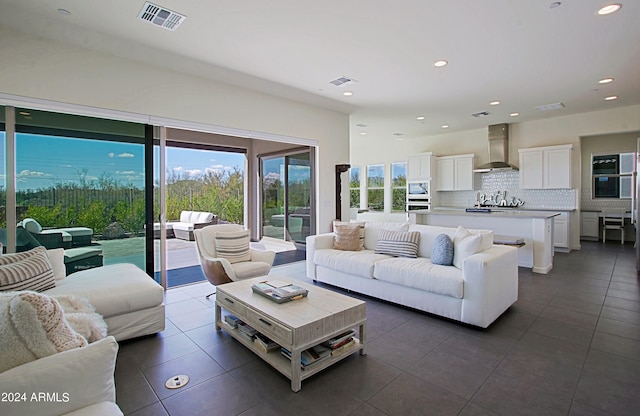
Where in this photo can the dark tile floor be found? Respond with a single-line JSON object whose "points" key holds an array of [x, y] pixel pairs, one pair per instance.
{"points": [[569, 346]]}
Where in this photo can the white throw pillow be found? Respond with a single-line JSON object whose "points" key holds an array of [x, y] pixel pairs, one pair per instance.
{"points": [[465, 244], [56, 258], [233, 246]]}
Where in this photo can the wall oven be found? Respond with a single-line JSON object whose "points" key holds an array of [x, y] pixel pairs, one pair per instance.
{"points": [[419, 190]]}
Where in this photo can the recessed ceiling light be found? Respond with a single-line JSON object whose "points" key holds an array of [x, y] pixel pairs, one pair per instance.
{"points": [[494, 103], [605, 80], [611, 98], [364, 133], [440, 63], [64, 12], [445, 126], [420, 118], [514, 114], [347, 93], [608, 9]]}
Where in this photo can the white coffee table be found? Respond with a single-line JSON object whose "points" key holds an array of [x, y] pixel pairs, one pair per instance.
{"points": [[295, 325]]}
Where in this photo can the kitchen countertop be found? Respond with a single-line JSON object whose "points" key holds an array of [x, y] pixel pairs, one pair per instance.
{"points": [[495, 212]]}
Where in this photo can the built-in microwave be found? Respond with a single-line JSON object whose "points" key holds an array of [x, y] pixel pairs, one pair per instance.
{"points": [[419, 190], [418, 205]]}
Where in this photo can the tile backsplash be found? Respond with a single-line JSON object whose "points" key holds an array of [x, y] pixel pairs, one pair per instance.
{"points": [[492, 182]]}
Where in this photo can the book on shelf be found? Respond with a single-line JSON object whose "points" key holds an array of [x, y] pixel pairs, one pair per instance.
{"points": [[279, 291], [339, 339], [265, 343], [343, 347], [310, 356], [247, 330], [232, 320]]}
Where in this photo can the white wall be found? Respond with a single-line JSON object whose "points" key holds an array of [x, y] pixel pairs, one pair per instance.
{"points": [[42, 69]]}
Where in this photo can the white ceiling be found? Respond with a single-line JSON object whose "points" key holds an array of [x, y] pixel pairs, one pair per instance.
{"points": [[523, 53]]}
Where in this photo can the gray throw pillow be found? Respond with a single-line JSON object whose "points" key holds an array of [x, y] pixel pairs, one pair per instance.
{"points": [[442, 251]]}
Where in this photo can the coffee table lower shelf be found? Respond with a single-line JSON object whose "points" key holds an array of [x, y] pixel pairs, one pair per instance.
{"points": [[285, 365]]}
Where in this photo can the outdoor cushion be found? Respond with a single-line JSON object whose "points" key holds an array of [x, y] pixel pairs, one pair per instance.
{"points": [[421, 274], [66, 237]]}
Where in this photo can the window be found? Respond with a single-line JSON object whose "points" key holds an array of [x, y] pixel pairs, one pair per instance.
{"points": [[612, 176], [354, 187], [398, 186], [375, 187]]}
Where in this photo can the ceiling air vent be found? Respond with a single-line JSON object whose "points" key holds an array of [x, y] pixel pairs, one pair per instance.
{"points": [[161, 16], [339, 82], [481, 114], [548, 107]]}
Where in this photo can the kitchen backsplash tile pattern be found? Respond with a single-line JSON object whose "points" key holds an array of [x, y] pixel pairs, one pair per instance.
{"points": [[492, 182], [588, 204]]}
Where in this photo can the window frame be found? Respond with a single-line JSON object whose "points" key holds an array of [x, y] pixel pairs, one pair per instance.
{"points": [[618, 177], [399, 184], [377, 188], [354, 191]]}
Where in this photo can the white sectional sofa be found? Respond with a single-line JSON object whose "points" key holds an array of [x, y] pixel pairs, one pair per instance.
{"points": [[477, 293], [189, 221], [77, 379]]}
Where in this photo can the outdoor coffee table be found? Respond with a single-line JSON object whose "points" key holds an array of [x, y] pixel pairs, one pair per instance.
{"points": [[295, 325]]}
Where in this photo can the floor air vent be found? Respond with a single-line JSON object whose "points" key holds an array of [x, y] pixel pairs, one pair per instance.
{"points": [[160, 16]]}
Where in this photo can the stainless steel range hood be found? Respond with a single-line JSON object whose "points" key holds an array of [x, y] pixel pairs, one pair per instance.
{"points": [[498, 150]]}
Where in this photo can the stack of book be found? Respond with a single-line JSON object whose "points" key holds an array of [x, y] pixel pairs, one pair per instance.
{"points": [[232, 320], [265, 343], [248, 331], [341, 342], [310, 356], [279, 291]]}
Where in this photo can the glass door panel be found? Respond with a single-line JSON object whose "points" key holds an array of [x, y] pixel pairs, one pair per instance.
{"points": [[298, 196], [273, 201], [287, 196]]}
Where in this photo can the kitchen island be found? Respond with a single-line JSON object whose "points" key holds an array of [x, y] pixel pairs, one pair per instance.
{"points": [[534, 227]]}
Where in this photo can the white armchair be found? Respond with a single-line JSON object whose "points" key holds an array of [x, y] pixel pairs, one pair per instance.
{"points": [[220, 270]]}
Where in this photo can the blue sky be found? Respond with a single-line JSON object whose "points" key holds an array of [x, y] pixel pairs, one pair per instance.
{"points": [[44, 161]]}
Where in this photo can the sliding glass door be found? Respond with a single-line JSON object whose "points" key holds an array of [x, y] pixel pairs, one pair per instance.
{"points": [[287, 196], [79, 184]]}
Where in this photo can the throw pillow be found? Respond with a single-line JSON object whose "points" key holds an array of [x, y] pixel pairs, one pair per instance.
{"points": [[32, 326], [442, 251], [56, 258], [29, 270], [348, 236], [465, 244], [398, 243], [233, 246]]}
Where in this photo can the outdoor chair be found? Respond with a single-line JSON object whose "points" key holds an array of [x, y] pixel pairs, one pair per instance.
{"points": [[225, 255], [58, 237]]}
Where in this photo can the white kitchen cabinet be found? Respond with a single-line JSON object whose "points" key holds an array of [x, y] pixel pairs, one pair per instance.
{"points": [[421, 167], [561, 232], [546, 167], [455, 173], [589, 225]]}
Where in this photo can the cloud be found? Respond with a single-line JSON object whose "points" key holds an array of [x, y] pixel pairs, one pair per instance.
{"points": [[33, 174], [111, 154], [193, 172], [126, 172], [178, 169], [126, 155]]}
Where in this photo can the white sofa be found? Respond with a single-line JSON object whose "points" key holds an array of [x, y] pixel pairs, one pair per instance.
{"points": [[189, 221], [131, 302], [477, 294], [80, 381], [76, 382]]}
